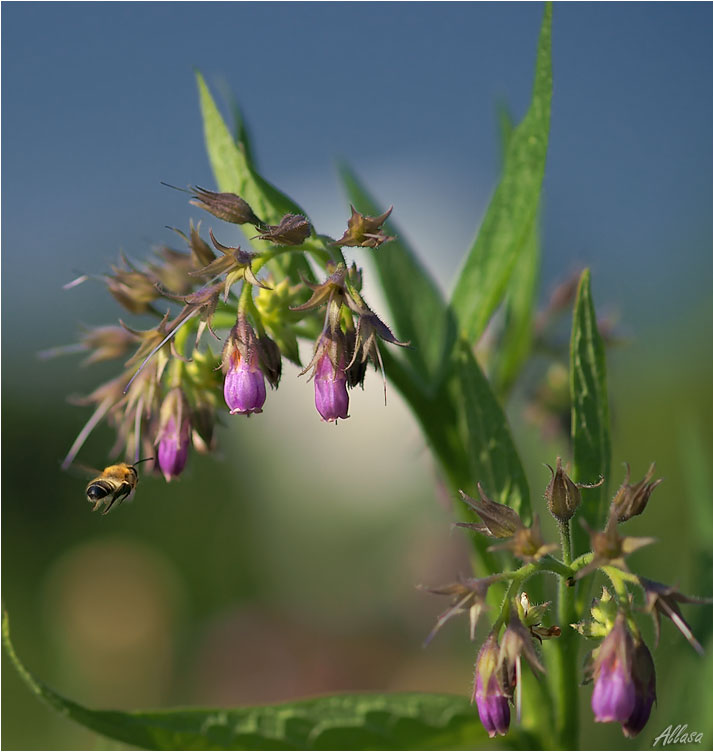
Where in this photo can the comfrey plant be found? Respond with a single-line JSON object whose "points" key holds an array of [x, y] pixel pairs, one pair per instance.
{"points": [[294, 284], [620, 667], [168, 394]]}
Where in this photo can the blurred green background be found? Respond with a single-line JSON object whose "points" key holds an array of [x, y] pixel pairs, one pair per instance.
{"points": [[286, 565]]}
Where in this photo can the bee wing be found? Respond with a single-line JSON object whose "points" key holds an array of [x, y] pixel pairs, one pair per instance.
{"points": [[83, 470]]}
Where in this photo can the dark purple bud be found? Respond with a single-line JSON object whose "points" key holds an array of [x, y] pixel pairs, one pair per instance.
{"points": [[331, 398], [244, 386], [613, 697], [489, 694], [643, 674], [173, 448]]}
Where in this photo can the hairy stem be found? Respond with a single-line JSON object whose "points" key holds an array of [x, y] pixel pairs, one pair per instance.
{"points": [[565, 669]]}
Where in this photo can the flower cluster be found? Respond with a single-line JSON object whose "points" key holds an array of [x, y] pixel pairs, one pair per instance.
{"points": [[166, 398], [620, 668]]}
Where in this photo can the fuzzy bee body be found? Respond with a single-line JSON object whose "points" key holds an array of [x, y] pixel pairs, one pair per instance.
{"points": [[114, 483]]}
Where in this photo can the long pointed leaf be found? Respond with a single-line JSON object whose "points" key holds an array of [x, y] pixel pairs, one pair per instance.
{"points": [[511, 214], [351, 721], [235, 173], [493, 457], [590, 411]]}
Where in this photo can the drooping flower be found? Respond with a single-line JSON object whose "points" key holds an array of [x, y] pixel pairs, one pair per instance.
{"points": [[331, 398], [244, 383], [614, 693], [174, 435], [490, 692], [643, 674]]}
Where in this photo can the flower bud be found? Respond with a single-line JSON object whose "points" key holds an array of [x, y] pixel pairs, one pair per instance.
{"points": [[631, 499], [489, 692], [270, 360], [226, 206], [613, 697], [499, 520], [174, 435], [293, 229], [643, 674], [562, 495], [331, 399]]}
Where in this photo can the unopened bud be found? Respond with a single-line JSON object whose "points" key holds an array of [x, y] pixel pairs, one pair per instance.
{"points": [[270, 360], [562, 495], [293, 229], [631, 499], [226, 206]]}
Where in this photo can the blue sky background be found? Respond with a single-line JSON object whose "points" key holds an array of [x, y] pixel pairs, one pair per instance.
{"points": [[99, 105]]}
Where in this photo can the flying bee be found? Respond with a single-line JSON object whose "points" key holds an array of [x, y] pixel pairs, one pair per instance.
{"points": [[115, 483]]}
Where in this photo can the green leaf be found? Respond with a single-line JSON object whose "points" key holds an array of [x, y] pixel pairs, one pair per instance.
{"points": [[515, 345], [419, 312], [590, 418], [351, 721], [235, 173], [233, 170], [494, 460], [511, 215]]}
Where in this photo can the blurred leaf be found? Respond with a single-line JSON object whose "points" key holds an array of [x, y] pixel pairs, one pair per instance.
{"points": [[590, 412], [420, 314], [515, 345], [235, 173], [695, 462], [494, 460], [349, 721], [511, 215]]}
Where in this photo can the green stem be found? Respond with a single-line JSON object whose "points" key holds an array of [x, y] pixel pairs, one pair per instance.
{"points": [[582, 561], [565, 665], [618, 579]]}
